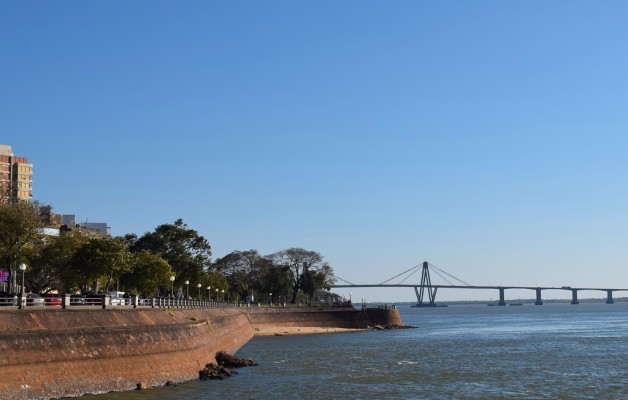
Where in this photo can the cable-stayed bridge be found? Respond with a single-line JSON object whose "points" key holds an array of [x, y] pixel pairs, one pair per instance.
{"points": [[426, 291]]}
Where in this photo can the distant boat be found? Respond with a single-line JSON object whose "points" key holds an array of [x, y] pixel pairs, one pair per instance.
{"points": [[515, 304]]}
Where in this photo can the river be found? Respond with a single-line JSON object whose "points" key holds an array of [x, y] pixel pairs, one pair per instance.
{"points": [[554, 351]]}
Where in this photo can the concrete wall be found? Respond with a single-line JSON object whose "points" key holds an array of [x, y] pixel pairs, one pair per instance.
{"points": [[55, 353], [322, 317]]}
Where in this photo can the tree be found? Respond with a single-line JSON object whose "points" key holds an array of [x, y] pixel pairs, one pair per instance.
{"points": [[275, 279], [51, 263], [215, 280], [316, 279], [187, 252], [242, 270], [101, 258], [19, 224], [307, 269], [149, 273]]}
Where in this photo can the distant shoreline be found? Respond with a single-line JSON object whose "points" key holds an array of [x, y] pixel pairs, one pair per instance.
{"points": [[524, 301]]}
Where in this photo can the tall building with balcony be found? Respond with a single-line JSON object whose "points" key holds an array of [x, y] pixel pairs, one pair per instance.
{"points": [[16, 175]]}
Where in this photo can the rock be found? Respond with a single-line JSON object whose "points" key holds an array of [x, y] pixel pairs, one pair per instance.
{"points": [[170, 383], [141, 386], [391, 326], [212, 371], [227, 360]]}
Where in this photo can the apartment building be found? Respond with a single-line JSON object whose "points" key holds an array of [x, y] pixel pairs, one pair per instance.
{"points": [[16, 174]]}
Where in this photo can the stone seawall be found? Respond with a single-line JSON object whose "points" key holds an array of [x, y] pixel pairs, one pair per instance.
{"points": [[348, 317], [55, 353]]}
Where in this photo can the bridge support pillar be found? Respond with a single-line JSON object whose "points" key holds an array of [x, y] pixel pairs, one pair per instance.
{"points": [[574, 296], [609, 297], [538, 301], [502, 302]]}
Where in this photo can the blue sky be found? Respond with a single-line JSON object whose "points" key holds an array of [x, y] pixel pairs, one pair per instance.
{"points": [[487, 137]]}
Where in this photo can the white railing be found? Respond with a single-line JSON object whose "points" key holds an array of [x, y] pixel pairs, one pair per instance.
{"points": [[107, 302]]}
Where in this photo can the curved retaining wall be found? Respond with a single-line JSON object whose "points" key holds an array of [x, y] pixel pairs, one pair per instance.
{"points": [[56, 353]]}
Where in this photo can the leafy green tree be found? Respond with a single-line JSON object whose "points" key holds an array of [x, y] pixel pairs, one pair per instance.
{"points": [[19, 224], [275, 279], [215, 280], [317, 279], [187, 252], [304, 265], [51, 264], [105, 259], [242, 270], [150, 274]]}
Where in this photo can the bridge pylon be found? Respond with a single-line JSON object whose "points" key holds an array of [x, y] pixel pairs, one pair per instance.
{"points": [[425, 287]]}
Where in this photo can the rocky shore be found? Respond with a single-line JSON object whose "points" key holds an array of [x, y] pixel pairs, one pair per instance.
{"points": [[223, 367], [388, 327]]}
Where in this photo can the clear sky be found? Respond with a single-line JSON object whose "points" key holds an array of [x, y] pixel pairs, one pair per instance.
{"points": [[489, 138]]}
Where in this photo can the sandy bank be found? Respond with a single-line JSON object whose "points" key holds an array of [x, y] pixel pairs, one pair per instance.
{"points": [[299, 330]]}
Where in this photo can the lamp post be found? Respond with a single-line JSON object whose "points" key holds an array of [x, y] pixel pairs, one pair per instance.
{"points": [[199, 290], [187, 292], [209, 293], [22, 268], [271, 298], [172, 286], [222, 296], [216, 294]]}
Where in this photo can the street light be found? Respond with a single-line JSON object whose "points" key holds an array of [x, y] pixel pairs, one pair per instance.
{"points": [[209, 294], [222, 297], [172, 286], [271, 298], [216, 294], [199, 290], [22, 268], [187, 292]]}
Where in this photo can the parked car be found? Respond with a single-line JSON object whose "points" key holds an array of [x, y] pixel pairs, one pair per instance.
{"points": [[51, 299], [8, 299], [33, 299], [117, 298]]}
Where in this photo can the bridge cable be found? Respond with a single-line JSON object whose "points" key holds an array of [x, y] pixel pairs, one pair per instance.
{"points": [[398, 275], [406, 278], [450, 275], [345, 281], [442, 277]]}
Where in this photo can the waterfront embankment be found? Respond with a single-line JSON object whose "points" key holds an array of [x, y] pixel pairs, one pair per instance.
{"points": [[59, 353]]}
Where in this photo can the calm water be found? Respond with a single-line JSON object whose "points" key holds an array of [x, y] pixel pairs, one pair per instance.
{"points": [[554, 351]]}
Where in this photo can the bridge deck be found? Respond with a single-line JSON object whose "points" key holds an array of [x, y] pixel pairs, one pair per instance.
{"points": [[479, 287]]}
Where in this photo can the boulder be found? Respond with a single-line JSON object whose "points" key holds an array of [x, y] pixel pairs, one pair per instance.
{"points": [[227, 360], [212, 371], [224, 361], [391, 326]]}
